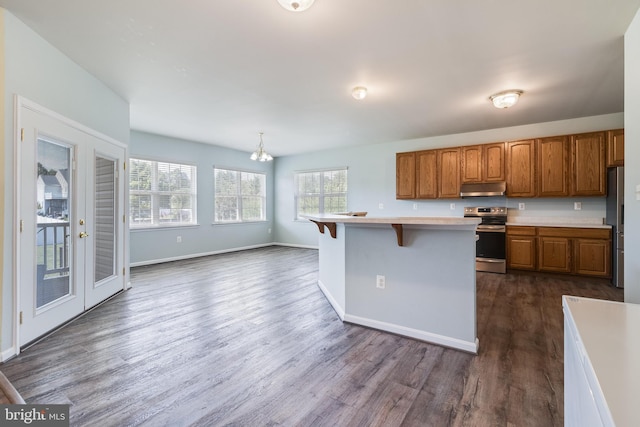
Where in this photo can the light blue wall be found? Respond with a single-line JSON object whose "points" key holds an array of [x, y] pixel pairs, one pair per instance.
{"points": [[372, 173], [156, 245], [37, 71], [632, 160]]}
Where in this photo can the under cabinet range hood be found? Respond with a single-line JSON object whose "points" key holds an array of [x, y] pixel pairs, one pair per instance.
{"points": [[483, 189]]}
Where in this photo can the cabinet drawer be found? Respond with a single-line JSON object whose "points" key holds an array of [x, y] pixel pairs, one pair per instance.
{"points": [[586, 233], [521, 230]]}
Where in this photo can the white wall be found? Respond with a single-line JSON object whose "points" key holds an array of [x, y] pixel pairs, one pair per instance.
{"points": [[632, 157], [39, 72], [372, 172], [156, 245]]}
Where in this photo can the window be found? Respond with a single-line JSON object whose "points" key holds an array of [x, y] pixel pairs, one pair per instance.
{"points": [[323, 191], [161, 194], [239, 196]]}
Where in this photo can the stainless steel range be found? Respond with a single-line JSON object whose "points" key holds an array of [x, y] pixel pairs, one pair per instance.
{"points": [[491, 244]]}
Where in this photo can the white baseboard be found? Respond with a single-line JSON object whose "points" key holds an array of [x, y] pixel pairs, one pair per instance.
{"points": [[8, 354], [198, 255], [337, 307], [468, 346], [293, 245]]}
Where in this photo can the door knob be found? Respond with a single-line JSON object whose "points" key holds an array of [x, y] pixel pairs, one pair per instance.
{"points": [[83, 234]]}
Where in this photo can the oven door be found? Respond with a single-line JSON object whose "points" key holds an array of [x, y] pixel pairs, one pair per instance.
{"points": [[491, 248]]}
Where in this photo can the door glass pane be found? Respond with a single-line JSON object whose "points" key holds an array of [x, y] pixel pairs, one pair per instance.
{"points": [[105, 200], [53, 186]]}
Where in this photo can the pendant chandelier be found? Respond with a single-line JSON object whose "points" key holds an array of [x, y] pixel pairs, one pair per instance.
{"points": [[261, 155]]}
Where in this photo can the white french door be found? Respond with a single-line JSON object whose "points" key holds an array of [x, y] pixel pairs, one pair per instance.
{"points": [[70, 243]]}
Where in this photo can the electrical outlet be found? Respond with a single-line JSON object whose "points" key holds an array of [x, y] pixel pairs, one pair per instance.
{"points": [[380, 205], [521, 206], [452, 206], [269, 231], [577, 206], [415, 206], [179, 239], [380, 281]]}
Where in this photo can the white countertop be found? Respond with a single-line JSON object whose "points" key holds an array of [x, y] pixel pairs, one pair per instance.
{"points": [[404, 220], [610, 334], [551, 221]]}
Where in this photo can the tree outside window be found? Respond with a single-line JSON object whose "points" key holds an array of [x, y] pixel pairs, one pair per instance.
{"points": [[161, 194], [321, 191], [239, 196]]}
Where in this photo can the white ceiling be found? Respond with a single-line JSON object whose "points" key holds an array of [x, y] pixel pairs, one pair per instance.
{"points": [[220, 71]]}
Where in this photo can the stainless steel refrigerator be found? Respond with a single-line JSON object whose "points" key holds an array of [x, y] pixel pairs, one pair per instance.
{"points": [[615, 218]]}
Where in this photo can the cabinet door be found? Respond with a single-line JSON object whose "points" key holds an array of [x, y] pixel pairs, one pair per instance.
{"points": [[554, 254], [493, 162], [471, 164], [405, 175], [553, 167], [615, 148], [520, 161], [592, 257], [521, 252], [426, 175], [588, 164], [449, 173]]}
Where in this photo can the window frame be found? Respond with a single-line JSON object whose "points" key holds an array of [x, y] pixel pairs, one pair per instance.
{"points": [[155, 193], [322, 195], [239, 196]]}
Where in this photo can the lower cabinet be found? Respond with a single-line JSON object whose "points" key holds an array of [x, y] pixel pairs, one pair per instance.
{"points": [[581, 251], [521, 248]]}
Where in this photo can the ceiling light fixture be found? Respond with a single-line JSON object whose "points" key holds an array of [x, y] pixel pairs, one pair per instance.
{"points": [[506, 99], [260, 154], [359, 92], [296, 6]]}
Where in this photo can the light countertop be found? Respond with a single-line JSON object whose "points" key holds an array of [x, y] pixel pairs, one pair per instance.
{"points": [[610, 335], [404, 220], [543, 221]]}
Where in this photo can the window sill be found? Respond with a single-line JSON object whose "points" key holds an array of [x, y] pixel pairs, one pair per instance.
{"points": [[163, 227], [240, 222]]}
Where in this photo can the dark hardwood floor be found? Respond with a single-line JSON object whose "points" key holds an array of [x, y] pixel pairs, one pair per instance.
{"points": [[248, 339]]}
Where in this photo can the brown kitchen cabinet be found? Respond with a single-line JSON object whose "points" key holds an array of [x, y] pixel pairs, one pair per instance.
{"points": [[483, 163], [554, 254], [615, 148], [553, 167], [520, 163], [448, 173], [579, 251], [426, 174], [521, 248], [406, 175], [588, 165], [592, 257]]}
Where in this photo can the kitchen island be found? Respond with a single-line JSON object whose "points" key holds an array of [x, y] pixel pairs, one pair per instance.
{"points": [[413, 276]]}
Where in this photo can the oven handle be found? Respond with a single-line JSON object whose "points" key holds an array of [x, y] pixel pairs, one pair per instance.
{"points": [[492, 228]]}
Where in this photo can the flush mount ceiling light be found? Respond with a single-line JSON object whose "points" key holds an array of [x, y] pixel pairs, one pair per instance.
{"points": [[261, 155], [506, 99], [359, 92], [296, 6]]}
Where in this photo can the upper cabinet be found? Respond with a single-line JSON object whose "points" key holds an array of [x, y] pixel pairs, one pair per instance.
{"points": [[615, 148], [449, 173], [553, 167], [405, 175], [559, 166], [426, 174], [589, 172], [482, 163], [521, 168]]}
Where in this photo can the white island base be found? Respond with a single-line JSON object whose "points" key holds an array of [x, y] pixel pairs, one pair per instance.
{"points": [[428, 273]]}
